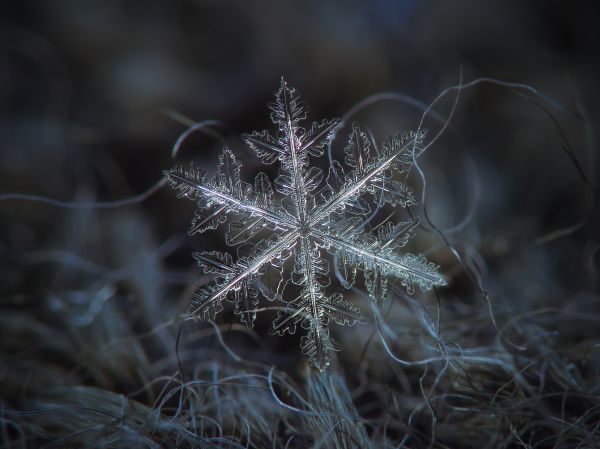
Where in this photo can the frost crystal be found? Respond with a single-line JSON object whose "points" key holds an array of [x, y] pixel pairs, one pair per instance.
{"points": [[310, 217]]}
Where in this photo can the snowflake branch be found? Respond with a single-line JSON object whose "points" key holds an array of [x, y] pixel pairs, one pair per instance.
{"points": [[284, 243], [395, 266], [353, 188], [240, 205], [296, 168], [315, 338]]}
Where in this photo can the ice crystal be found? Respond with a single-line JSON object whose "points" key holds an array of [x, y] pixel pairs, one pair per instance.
{"points": [[299, 219]]}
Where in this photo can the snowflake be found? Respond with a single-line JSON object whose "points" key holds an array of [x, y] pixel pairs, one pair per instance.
{"points": [[310, 216]]}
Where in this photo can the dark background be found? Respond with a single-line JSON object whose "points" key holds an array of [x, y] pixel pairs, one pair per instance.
{"points": [[83, 81], [93, 95]]}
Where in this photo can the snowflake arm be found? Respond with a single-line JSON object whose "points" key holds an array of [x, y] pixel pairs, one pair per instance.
{"points": [[411, 269], [237, 279], [315, 345], [313, 308], [224, 192], [369, 172], [292, 147]]}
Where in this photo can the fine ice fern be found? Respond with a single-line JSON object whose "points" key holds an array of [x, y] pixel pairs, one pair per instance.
{"points": [[296, 221]]}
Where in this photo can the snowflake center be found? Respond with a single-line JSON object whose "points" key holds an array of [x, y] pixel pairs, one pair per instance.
{"points": [[305, 230]]}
